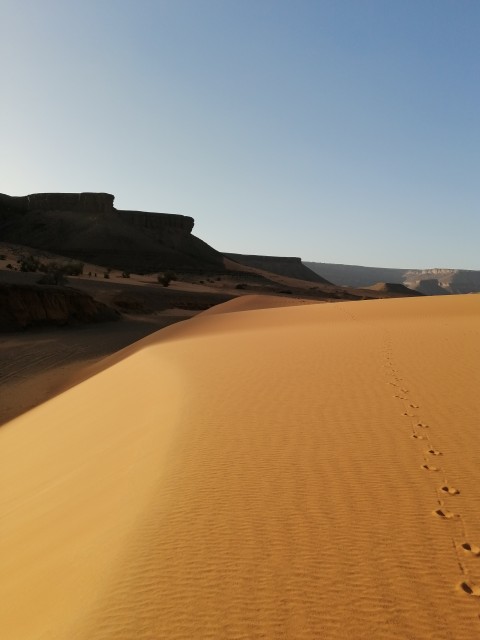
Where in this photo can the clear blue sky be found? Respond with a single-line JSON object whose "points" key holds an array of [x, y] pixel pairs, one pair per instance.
{"points": [[335, 130]]}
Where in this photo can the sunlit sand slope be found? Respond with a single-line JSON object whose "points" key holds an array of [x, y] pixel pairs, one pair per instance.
{"points": [[302, 472]]}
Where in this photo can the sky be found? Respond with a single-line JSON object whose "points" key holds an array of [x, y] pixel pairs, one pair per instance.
{"points": [[342, 131]]}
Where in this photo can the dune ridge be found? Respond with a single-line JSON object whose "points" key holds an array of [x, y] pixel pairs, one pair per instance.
{"points": [[300, 472]]}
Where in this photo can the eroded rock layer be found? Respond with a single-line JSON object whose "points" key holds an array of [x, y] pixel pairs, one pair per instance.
{"points": [[23, 306]]}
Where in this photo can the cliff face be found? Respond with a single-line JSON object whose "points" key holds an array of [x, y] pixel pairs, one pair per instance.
{"points": [[429, 287], [75, 202], [86, 226], [157, 221], [23, 306], [170, 229]]}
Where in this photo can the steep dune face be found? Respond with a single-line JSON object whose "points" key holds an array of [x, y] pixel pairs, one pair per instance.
{"points": [[301, 472]]}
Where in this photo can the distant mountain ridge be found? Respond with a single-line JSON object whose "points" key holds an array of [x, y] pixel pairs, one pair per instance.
{"points": [[429, 281]]}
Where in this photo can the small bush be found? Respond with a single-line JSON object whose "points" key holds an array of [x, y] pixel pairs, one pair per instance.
{"points": [[241, 285], [53, 278], [164, 279], [9, 266], [171, 275], [74, 268], [3, 256], [125, 274], [106, 275], [29, 263]]}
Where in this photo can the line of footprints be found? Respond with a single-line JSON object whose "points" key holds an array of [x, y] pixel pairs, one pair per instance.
{"points": [[431, 456]]}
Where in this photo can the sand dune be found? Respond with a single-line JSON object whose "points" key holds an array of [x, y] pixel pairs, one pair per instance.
{"points": [[255, 302], [299, 472]]}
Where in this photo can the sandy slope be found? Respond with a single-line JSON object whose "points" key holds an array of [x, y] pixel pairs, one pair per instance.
{"points": [[254, 475], [255, 302], [38, 364]]}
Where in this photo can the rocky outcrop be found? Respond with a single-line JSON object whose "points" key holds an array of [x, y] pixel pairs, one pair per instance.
{"points": [[87, 227], [429, 287], [289, 266], [23, 306]]}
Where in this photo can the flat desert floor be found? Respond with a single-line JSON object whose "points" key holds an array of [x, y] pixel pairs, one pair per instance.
{"points": [[299, 472]]}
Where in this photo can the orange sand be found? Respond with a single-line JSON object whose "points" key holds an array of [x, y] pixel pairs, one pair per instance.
{"points": [[255, 475]]}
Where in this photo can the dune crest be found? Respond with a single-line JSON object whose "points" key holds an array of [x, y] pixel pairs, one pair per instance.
{"points": [[264, 474]]}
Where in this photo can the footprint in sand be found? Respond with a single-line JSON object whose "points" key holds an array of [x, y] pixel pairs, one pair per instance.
{"points": [[422, 425], [470, 589], [445, 514], [417, 437], [471, 549], [429, 467], [400, 397], [450, 490], [408, 415], [434, 452], [415, 406]]}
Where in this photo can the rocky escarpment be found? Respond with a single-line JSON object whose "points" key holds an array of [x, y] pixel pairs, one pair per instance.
{"points": [[157, 223], [86, 226], [23, 306], [290, 266], [75, 202], [429, 287], [427, 281]]}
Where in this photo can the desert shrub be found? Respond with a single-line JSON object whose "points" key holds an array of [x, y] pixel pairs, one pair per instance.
{"points": [[9, 266], [125, 274], [56, 277], [74, 268], [164, 279], [241, 285], [3, 256], [50, 267], [171, 275], [29, 263], [106, 275]]}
